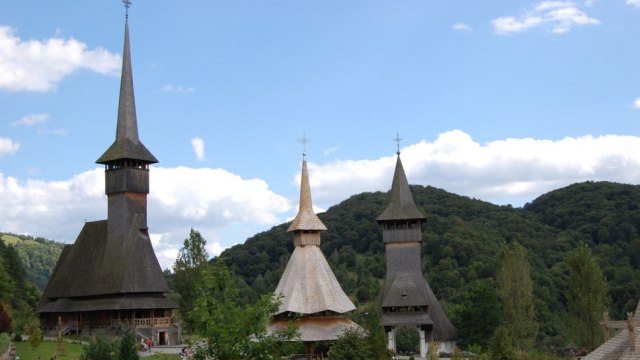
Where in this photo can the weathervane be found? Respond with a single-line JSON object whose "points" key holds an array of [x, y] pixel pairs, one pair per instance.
{"points": [[397, 140], [304, 141], [127, 5]]}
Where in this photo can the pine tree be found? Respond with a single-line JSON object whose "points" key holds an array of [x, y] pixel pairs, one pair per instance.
{"points": [[128, 346]]}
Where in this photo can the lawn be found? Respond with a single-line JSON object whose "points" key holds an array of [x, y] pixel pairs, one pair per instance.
{"points": [[46, 350]]}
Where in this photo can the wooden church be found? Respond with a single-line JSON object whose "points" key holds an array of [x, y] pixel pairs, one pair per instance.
{"points": [[311, 294], [407, 298], [110, 277]]}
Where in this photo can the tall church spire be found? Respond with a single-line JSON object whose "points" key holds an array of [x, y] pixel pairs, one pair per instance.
{"points": [[127, 144]]}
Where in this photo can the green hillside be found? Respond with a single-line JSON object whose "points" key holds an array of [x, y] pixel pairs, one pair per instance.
{"points": [[38, 256], [461, 239]]}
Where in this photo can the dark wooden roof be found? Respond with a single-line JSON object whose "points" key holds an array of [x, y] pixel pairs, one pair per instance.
{"points": [[97, 265], [408, 289], [401, 205], [127, 144]]}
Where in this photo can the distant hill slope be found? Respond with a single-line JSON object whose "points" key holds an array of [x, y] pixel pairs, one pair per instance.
{"points": [[462, 237], [38, 255]]}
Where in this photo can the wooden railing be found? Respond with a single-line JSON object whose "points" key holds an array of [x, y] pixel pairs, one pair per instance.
{"points": [[149, 322]]}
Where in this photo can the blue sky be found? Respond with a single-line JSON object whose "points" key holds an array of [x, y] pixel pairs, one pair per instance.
{"points": [[496, 100]]}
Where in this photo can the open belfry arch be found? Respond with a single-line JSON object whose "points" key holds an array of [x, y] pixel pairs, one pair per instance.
{"points": [[407, 298], [110, 277], [310, 291]]}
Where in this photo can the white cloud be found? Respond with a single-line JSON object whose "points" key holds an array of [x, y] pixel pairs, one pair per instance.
{"points": [[178, 88], [461, 27], [330, 150], [558, 16], [31, 119], [634, 3], [636, 103], [198, 147], [38, 65], [8, 146], [213, 201], [504, 171], [228, 209]]}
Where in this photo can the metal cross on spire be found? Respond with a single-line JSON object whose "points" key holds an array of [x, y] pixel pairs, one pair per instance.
{"points": [[304, 141], [127, 5], [397, 140]]}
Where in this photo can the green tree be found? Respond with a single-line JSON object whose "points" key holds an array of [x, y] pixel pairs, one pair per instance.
{"points": [[433, 352], [407, 339], [192, 258], [128, 346], [352, 345], [479, 315], [586, 297], [35, 333], [99, 348], [516, 291], [500, 345], [233, 331]]}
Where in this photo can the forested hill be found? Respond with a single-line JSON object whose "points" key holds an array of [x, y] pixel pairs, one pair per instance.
{"points": [[38, 256], [461, 239]]}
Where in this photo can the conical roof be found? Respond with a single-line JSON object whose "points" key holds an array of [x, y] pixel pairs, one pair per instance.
{"points": [[309, 286], [401, 205], [306, 219], [127, 144]]}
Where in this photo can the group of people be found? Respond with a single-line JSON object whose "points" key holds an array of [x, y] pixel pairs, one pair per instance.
{"points": [[186, 353], [146, 344]]}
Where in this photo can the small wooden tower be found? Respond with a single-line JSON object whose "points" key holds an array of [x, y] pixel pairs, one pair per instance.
{"points": [[110, 277], [407, 298], [311, 293]]}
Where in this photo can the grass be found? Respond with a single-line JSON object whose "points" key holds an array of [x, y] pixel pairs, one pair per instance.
{"points": [[46, 350], [161, 357]]}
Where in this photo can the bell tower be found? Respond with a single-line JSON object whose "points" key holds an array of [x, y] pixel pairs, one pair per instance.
{"points": [[127, 160]]}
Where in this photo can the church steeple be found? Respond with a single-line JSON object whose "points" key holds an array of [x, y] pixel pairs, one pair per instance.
{"points": [[306, 219], [401, 205], [127, 144], [127, 160]]}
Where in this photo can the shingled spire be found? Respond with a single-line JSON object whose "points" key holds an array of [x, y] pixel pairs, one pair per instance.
{"points": [[306, 219], [401, 205], [127, 144]]}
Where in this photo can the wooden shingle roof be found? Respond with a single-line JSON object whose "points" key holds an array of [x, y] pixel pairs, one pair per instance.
{"points": [[306, 219], [401, 205], [127, 144], [101, 265]]}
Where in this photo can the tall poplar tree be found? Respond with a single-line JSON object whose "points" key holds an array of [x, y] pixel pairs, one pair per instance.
{"points": [[516, 292], [187, 269], [586, 297]]}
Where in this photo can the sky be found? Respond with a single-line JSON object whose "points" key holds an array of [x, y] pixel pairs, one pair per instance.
{"points": [[496, 100]]}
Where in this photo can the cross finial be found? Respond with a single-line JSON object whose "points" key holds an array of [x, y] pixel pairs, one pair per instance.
{"points": [[127, 5], [397, 140], [304, 141]]}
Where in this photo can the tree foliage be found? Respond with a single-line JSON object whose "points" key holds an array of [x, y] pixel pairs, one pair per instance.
{"points": [[516, 291], [191, 261], [352, 345], [233, 331], [586, 297], [100, 347], [128, 346], [478, 315]]}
